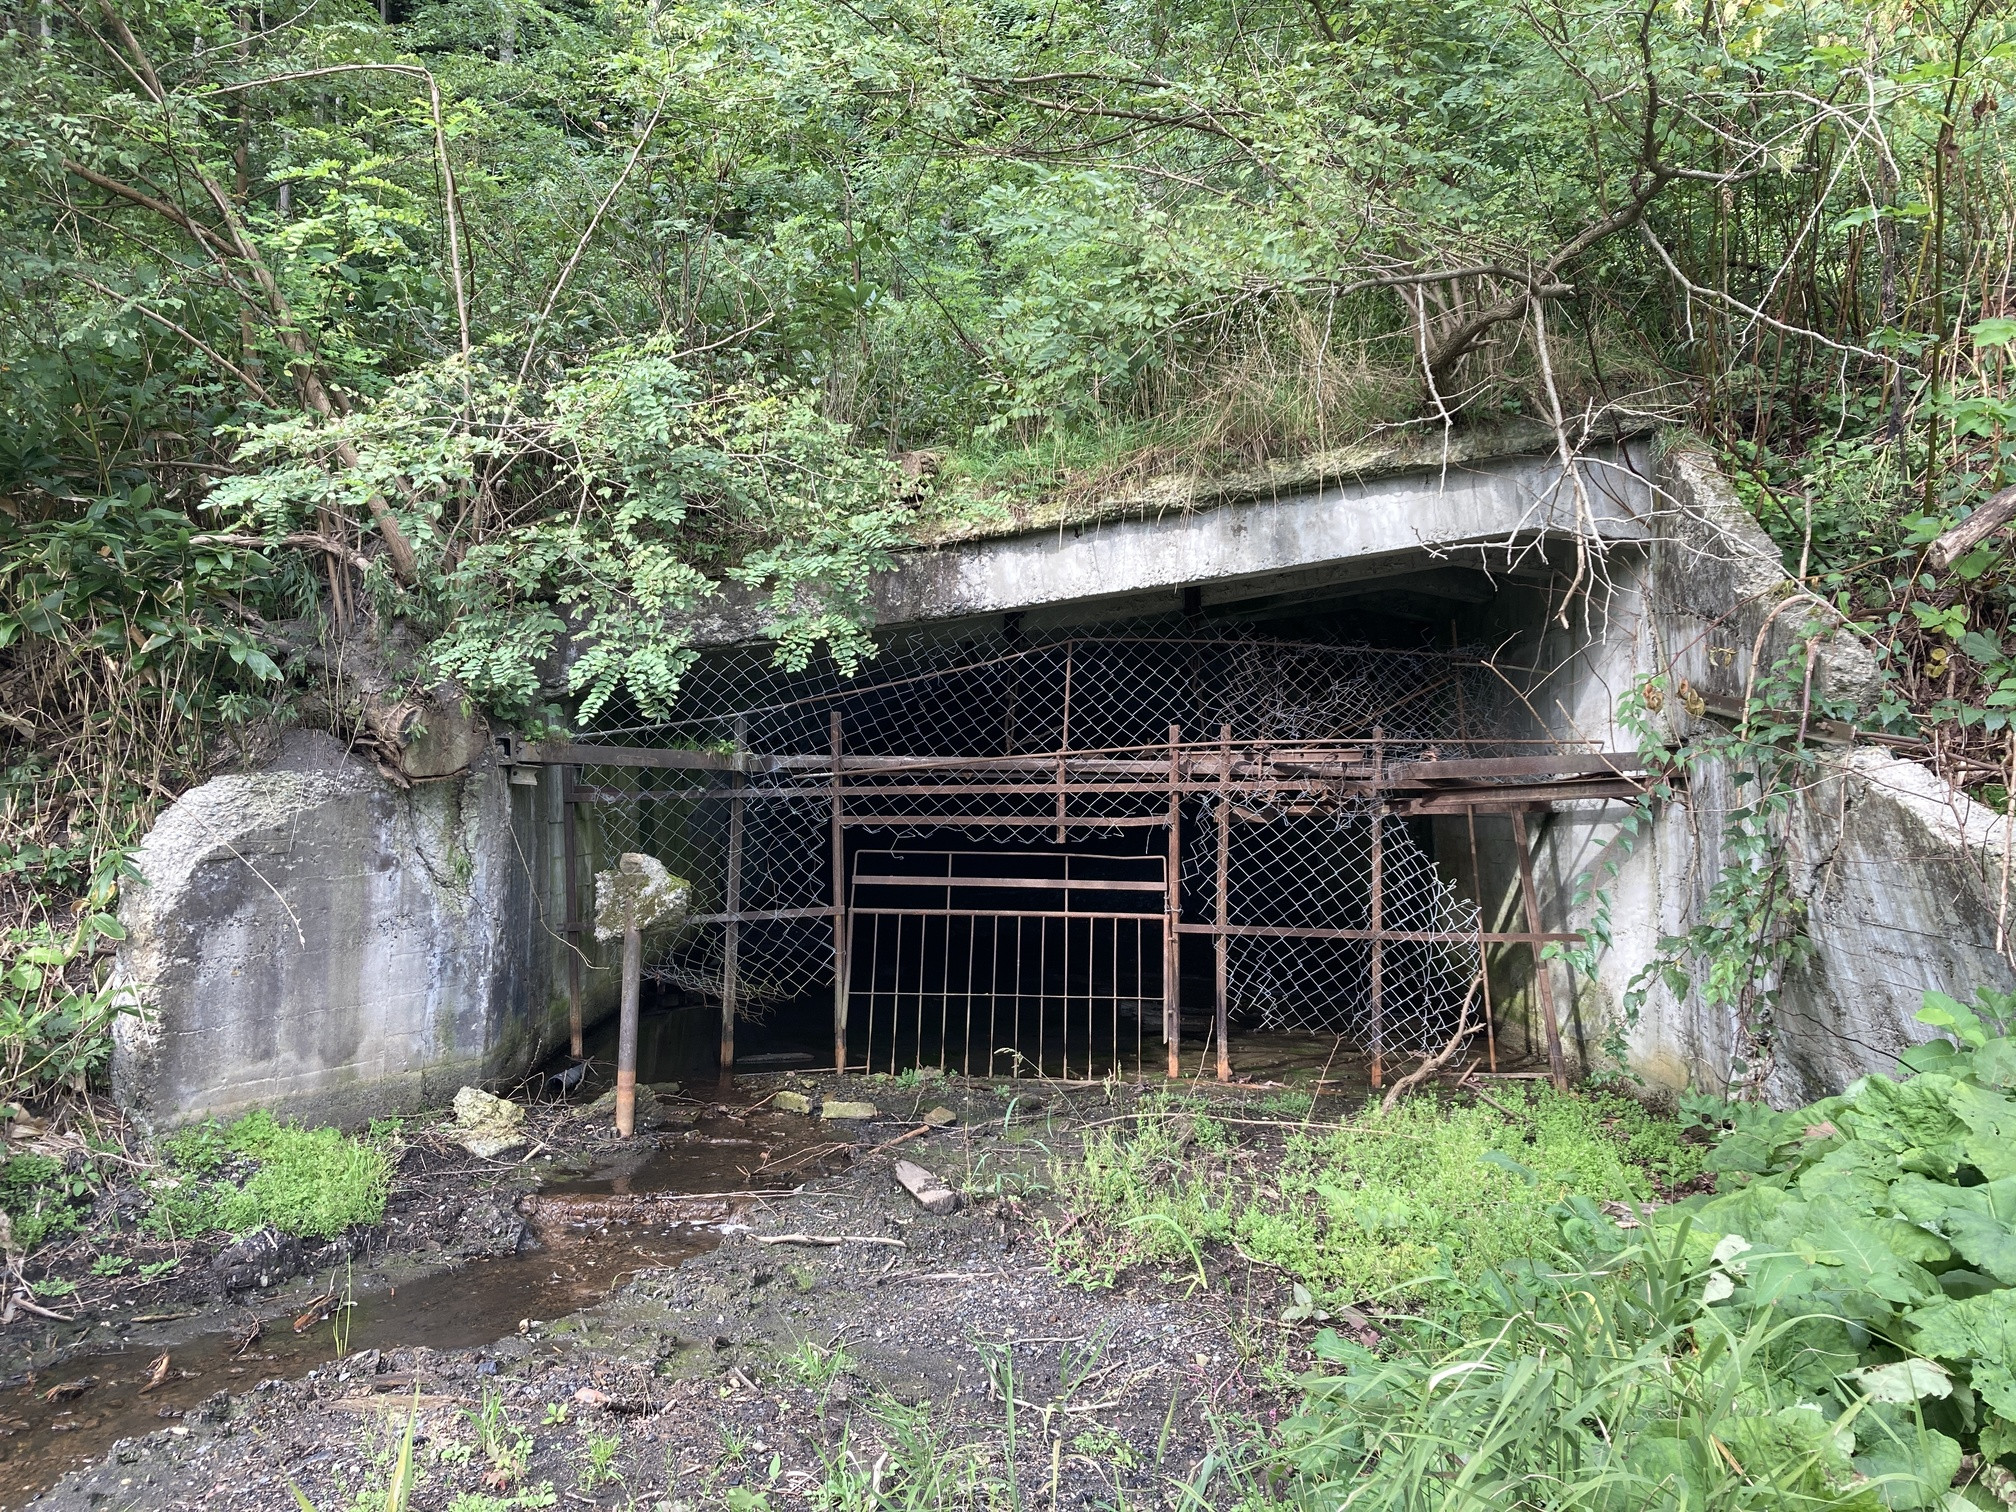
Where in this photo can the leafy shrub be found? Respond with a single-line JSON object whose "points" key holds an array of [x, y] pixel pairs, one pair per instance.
{"points": [[1606, 1384], [1884, 1220], [55, 1019]]}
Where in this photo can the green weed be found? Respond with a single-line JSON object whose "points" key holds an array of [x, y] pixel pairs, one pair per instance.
{"points": [[1603, 1383], [42, 1199], [1386, 1199], [258, 1172], [819, 1367], [600, 1469]]}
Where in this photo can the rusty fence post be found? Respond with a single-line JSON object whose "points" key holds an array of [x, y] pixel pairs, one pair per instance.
{"points": [[731, 932], [626, 1032], [1172, 943], [1378, 907], [570, 850], [1220, 1014], [1543, 981], [839, 909]]}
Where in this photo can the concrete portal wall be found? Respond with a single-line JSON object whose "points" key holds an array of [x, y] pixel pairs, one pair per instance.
{"points": [[1901, 877], [316, 940]]}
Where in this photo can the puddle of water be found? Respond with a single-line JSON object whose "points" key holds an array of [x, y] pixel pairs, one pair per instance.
{"points": [[723, 1151], [586, 1254]]}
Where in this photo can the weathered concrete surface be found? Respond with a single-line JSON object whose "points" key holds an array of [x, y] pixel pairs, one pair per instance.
{"points": [[1899, 874], [1474, 511], [315, 940]]}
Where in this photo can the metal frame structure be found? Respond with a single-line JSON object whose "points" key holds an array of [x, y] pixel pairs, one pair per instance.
{"points": [[1246, 780]]}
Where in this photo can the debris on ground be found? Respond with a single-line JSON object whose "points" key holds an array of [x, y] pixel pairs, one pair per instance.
{"points": [[841, 1109], [486, 1125], [932, 1194]]}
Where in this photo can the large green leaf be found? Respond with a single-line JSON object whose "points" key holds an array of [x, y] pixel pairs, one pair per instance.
{"points": [[1980, 1333], [1876, 1252], [1912, 1466], [1986, 1242]]}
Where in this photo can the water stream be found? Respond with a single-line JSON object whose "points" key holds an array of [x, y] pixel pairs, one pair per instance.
{"points": [[594, 1230]]}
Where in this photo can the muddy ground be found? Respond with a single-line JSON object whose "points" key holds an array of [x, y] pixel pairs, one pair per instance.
{"points": [[669, 1322]]}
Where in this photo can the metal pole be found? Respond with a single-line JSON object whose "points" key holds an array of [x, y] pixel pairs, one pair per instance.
{"points": [[1224, 911], [1378, 908], [1064, 745], [839, 911], [570, 850], [1542, 979], [626, 1034], [1483, 964], [731, 941], [1172, 945]]}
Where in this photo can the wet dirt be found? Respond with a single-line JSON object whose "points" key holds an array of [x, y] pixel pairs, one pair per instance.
{"points": [[828, 1333], [648, 1205]]}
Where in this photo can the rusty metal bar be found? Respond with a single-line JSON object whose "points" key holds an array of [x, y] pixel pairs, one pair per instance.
{"points": [[1411, 936], [763, 915], [567, 753], [1483, 964], [1172, 950], [731, 942], [1378, 911], [1542, 981], [1039, 884], [1219, 1010], [1064, 745], [570, 850], [840, 983], [993, 821]]}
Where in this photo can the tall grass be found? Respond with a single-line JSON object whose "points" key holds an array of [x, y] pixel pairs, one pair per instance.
{"points": [[1607, 1386]]}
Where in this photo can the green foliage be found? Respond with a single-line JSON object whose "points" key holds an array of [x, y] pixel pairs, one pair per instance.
{"points": [[1884, 1220], [1387, 1199], [55, 1014], [259, 1172], [42, 1199], [1602, 1382]]}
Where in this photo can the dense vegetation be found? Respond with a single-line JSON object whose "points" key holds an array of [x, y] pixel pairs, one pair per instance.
{"points": [[1537, 1301], [489, 336]]}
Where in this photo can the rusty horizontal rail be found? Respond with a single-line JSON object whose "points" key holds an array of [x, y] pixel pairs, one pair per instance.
{"points": [[1041, 884], [1424, 936]]}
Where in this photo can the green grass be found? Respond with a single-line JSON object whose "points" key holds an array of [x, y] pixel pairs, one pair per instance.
{"points": [[1431, 1189], [258, 1172]]}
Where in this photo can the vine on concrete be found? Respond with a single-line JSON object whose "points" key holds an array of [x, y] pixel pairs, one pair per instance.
{"points": [[1751, 932]]}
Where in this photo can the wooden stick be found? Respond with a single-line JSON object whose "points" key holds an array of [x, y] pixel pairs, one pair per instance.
{"points": [[826, 1241]]}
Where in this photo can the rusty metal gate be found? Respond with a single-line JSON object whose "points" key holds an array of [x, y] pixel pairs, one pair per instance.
{"points": [[1006, 962], [1269, 794]]}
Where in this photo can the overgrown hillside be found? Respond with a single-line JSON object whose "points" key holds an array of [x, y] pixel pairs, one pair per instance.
{"points": [[487, 337]]}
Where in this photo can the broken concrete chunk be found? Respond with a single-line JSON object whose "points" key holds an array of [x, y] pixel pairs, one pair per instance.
{"points": [[932, 1194], [832, 1109], [791, 1102], [638, 893], [938, 1118], [487, 1126]]}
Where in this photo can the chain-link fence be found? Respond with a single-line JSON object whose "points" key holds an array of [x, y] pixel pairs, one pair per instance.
{"points": [[1334, 916]]}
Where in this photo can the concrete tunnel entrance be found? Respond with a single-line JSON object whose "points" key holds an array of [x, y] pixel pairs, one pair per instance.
{"points": [[1089, 842]]}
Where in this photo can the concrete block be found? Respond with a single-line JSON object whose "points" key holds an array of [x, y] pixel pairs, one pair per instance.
{"points": [[316, 940]]}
